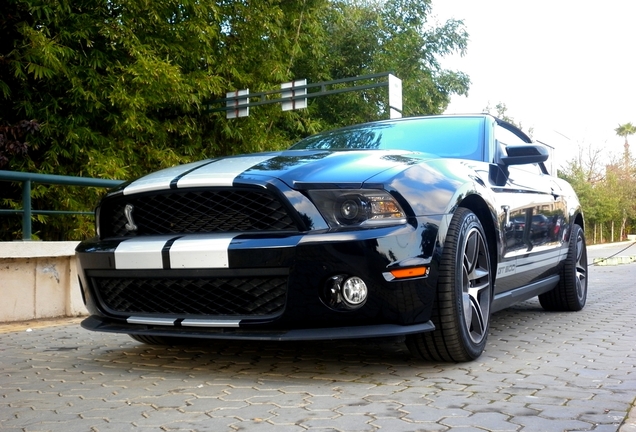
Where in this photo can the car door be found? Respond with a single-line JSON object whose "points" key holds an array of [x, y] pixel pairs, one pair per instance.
{"points": [[536, 211], [533, 211]]}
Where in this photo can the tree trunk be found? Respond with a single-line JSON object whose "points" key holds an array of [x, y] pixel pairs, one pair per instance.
{"points": [[623, 224]]}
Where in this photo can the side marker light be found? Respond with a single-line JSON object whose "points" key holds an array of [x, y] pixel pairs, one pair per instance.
{"points": [[409, 272]]}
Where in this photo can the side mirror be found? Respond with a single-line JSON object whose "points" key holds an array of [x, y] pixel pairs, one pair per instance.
{"points": [[525, 154]]}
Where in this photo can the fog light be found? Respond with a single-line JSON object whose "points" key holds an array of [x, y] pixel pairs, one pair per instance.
{"points": [[344, 293], [354, 291]]}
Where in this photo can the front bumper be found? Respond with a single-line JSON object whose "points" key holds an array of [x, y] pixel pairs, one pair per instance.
{"points": [[291, 308]]}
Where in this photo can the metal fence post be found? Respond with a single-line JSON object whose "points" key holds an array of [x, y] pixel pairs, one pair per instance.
{"points": [[26, 213]]}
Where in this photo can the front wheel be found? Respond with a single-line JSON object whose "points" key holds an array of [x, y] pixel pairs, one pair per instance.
{"points": [[464, 295]]}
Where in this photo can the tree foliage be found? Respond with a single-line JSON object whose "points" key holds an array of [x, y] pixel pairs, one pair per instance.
{"points": [[13, 139], [501, 111], [365, 37], [607, 193], [625, 130], [119, 87]]}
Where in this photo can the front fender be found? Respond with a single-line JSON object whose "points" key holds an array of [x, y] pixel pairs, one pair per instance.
{"points": [[438, 186]]}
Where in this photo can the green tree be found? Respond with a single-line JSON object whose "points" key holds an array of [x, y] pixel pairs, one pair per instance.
{"points": [[501, 111], [13, 140], [119, 87], [607, 193], [370, 36], [586, 175], [625, 130], [625, 172]]}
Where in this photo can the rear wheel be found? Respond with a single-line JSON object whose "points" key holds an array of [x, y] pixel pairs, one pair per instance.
{"points": [[464, 295], [571, 292]]}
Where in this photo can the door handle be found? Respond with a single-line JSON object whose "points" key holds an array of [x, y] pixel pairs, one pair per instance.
{"points": [[506, 210]]}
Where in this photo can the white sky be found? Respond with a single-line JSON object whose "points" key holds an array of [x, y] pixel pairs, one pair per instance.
{"points": [[563, 67]]}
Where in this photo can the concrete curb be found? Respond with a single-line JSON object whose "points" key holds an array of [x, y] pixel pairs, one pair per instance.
{"points": [[617, 260], [629, 424], [613, 260]]}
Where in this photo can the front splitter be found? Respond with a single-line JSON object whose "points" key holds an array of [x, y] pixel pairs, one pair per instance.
{"points": [[325, 333]]}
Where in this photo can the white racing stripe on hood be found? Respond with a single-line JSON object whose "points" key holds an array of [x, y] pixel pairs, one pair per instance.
{"points": [[201, 251], [222, 172], [161, 179]]}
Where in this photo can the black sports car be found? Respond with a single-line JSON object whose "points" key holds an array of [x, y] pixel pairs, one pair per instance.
{"points": [[420, 227]]}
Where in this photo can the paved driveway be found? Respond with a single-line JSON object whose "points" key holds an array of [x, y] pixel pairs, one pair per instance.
{"points": [[541, 372]]}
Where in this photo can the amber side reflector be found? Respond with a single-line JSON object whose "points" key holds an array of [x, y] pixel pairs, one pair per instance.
{"points": [[409, 272]]}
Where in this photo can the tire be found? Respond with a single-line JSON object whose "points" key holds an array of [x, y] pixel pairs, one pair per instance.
{"points": [[157, 340], [571, 292], [464, 295]]}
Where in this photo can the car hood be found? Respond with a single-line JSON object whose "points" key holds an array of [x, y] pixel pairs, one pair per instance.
{"points": [[294, 167]]}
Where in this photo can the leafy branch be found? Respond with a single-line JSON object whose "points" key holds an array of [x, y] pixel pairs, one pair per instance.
{"points": [[13, 139]]}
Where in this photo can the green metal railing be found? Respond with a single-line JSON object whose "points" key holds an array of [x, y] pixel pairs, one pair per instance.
{"points": [[28, 178]]}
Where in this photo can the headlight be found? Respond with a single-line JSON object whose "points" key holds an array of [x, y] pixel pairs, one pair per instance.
{"points": [[345, 207]]}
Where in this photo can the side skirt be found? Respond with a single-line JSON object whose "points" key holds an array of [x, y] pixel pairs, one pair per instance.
{"points": [[508, 298]]}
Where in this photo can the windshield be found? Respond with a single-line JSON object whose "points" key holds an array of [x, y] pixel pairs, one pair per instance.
{"points": [[454, 137]]}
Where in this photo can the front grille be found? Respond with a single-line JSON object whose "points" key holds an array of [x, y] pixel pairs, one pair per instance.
{"points": [[195, 211], [224, 296]]}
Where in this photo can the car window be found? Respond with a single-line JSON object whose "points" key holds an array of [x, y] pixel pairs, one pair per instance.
{"points": [[506, 137], [528, 168], [453, 137]]}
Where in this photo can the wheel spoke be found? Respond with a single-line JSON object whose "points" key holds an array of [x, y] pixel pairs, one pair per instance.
{"points": [[476, 287], [478, 273], [471, 251], [581, 273], [580, 247], [478, 323]]}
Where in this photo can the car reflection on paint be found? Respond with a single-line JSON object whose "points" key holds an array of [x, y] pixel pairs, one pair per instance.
{"points": [[420, 227]]}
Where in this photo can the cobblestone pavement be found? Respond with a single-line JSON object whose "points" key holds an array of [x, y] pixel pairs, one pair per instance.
{"points": [[541, 372]]}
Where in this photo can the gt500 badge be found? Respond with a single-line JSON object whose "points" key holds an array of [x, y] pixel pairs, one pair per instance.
{"points": [[506, 269]]}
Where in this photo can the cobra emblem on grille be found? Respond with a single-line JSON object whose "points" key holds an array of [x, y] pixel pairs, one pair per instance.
{"points": [[130, 226]]}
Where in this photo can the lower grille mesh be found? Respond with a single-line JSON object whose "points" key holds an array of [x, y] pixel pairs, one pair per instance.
{"points": [[262, 297]]}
